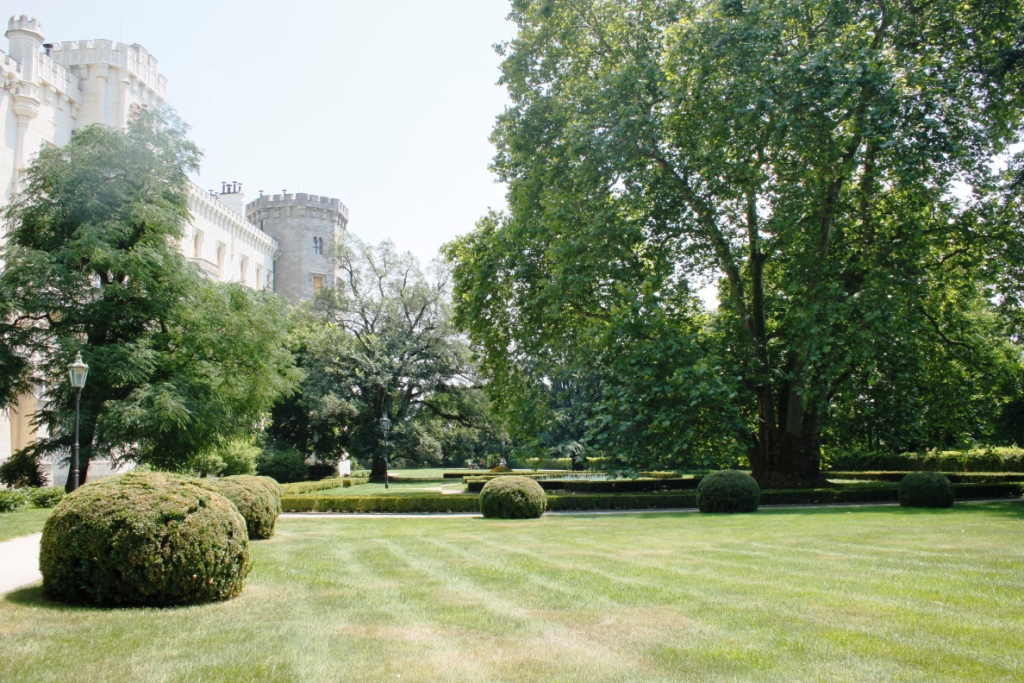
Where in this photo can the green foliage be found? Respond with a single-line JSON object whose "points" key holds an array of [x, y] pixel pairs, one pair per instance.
{"points": [[91, 264], [975, 460], [282, 463], [226, 458], [144, 538], [12, 499], [292, 489], [378, 342], [257, 502], [21, 470], [46, 496], [728, 491], [807, 158], [512, 498], [362, 504], [926, 490]]}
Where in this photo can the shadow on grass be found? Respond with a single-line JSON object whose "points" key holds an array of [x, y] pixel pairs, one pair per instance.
{"points": [[32, 596]]}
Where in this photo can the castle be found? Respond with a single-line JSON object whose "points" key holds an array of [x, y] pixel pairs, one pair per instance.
{"points": [[49, 90]]}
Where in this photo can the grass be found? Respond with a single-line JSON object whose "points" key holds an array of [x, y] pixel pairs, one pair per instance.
{"points": [[865, 594], [27, 520]]}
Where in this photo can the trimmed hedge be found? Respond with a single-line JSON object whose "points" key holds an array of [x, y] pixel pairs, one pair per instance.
{"points": [[728, 491], [439, 503], [12, 499], [309, 486], [954, 477], [144, 538], [513, 498], [926, 490], [977, 460], [46, 496], [256, 501], [867, 493], [622, 501], [487, 474]]}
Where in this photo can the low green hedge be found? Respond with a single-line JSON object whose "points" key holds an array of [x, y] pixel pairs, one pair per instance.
{"points": [[954, 477], [450, 503], [631, 485], [310, 486], [869, 492], [622, 501], [12, 499], [977, 460]]}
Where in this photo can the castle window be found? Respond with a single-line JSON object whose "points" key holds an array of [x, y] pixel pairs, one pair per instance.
{"points": [[318, 246], [242, 267], [259, 277], [197, 245], [318, 282], [220, 259]]}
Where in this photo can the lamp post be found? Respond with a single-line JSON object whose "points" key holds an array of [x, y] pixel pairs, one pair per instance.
{"points": [[385, 424], [77, 372]]}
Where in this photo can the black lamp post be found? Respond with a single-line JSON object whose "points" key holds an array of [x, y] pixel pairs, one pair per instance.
{"points": [[77, 372], [385, 424]]}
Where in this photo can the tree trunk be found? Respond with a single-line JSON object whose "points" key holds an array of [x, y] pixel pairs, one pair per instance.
{"points": [[786, 452], [378, 468]]}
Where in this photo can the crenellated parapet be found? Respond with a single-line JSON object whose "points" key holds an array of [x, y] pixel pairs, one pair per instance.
{"points": [[138, 67], [310, 206]]}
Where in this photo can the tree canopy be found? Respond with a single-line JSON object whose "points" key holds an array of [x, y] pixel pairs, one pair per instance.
{"points": [[91, 264], [829, 165]]}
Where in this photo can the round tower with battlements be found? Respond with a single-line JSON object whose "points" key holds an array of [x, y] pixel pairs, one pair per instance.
{"points": [[306, 227]]}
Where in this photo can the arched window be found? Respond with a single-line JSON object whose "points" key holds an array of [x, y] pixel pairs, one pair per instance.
{"points": [[318, 245]]}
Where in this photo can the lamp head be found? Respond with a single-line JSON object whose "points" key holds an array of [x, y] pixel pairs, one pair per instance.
{"points": [[78, 371], [385, 424]]}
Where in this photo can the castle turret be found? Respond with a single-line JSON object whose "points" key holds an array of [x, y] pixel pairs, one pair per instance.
{"points": [[306, 228], [25, 36]]}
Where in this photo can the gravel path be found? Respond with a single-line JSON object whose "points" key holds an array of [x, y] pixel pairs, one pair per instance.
{"points": [[19, 562]]}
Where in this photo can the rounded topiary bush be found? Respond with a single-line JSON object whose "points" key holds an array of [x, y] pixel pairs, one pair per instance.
{"points": [[258, 503], [926, 490], [144, 538], [513, 497], [728, 491]]}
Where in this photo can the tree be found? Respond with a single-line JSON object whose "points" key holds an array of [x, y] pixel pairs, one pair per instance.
{"points": [[805, 155], [379, 341], [91, 264]]}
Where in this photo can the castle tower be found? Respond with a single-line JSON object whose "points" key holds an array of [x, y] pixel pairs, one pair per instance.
{"points": [[306, 228]]}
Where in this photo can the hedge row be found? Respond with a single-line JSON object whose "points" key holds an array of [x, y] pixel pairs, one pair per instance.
{"points": [[643, 485], [977, 460], [487, 474], [871, 493], [954, 477], [451, 503], [310, 486]]}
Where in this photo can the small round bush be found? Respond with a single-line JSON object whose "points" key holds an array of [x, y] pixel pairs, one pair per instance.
{"points": [[12, 499], [257, 502], [46, 497], [926, 490], [728, 491], [513, 497], [146, 539]]}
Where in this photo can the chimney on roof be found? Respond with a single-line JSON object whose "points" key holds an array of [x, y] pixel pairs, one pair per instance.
{"points": [[231, 196]]}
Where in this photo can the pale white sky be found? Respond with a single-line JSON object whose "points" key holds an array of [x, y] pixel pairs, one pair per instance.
{"points": [[384, 104]]}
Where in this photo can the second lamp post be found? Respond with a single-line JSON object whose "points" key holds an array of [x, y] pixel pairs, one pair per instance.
{"points": [[77, 372], [385, 424]]}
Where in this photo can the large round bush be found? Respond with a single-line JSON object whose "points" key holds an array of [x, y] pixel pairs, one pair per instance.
{"points": [[144, 538], [728, 491], [926, 490], [512, 497], [253, 498]]}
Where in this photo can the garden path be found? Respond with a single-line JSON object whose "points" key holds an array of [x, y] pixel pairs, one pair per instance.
{"points": [[19, 562]]}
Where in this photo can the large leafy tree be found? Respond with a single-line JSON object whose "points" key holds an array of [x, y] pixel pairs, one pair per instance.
{"points": [[381, 342], [91, 264], [827, 162]]}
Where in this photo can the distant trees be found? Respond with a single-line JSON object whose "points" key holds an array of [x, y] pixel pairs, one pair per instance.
{"points": [[179, 366], [829, 164], [381, 341]]}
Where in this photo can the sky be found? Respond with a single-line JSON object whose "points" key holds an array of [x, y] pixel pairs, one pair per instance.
{"points": [[386, 105]]}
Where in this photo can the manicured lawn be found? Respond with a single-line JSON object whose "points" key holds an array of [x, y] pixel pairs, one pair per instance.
{"points": [[27, 520], [865, 594]]}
